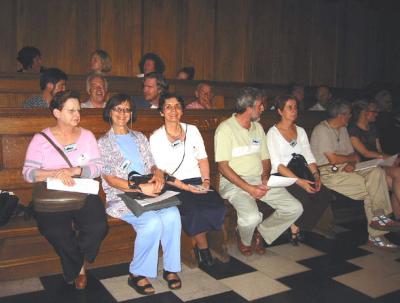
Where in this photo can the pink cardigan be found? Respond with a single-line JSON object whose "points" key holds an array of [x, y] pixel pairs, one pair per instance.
{"points": [[42, 155]]}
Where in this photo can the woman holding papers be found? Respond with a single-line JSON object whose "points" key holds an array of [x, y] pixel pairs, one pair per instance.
{"points": [[178, 149], [365, 140], [285, 139], [122, 151], [76, 235]]}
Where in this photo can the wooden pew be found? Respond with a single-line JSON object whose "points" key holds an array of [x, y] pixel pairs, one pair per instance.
{"points": [[15, 88], [24, 252]]}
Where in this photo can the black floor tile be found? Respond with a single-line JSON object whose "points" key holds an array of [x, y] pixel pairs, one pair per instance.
{"points": [[38, 296], [314, 287], [110, 271], [165, 297], [393, 297], [61, 292], [329, 265], [226, 297], [225, 270]]}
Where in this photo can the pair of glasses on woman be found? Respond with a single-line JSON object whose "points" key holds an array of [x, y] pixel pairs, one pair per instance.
{"points": [[122, 110]]}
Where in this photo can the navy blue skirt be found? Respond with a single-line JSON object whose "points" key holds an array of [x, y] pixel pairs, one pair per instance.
{"points": [[201, 212]]}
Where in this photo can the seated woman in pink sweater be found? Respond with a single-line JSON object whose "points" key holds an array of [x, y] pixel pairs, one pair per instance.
{"points": [[76, 235]]}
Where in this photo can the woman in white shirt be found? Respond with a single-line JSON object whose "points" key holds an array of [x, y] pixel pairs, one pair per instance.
{"points": [[285, 139], [178, 149]]}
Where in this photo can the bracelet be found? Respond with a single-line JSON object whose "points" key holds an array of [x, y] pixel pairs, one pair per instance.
{"points": [[204, 180]]}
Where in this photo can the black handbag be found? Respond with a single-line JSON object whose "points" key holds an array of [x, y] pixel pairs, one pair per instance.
{"points": [[49, 200], [8, 206], [298, 165]]}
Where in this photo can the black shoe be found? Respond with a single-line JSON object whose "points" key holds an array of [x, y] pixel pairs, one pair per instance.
{"points": [[173, 283], [203, 256], [295, 238], [145, 290]]}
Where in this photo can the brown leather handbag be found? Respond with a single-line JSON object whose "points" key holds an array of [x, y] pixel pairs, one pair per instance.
{"points": [[49, 200]]}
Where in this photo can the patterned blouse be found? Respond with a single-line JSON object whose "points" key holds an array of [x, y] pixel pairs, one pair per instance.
{"points": [[114, 164]]}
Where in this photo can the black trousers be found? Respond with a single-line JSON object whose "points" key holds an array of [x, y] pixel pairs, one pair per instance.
{"points": [[314, 205], [75, 235]]}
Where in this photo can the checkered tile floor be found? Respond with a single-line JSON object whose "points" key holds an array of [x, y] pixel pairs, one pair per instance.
{"points": [[319, 270]]}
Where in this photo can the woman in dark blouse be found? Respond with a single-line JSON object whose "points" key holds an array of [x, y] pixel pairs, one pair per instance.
{"points": [[365, 140]]}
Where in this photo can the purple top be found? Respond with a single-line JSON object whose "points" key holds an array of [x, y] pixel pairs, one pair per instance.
{"points": [[42, 155]]}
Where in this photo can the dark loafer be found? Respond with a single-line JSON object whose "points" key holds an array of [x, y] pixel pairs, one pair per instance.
{"points": [[174, 283], [145, 290]]}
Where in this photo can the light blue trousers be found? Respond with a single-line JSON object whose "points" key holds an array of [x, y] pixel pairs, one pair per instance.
{"points": [[152, 227]]}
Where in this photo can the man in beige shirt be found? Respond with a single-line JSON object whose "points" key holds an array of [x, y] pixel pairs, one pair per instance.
{"points": [[331, 146], [243, 161]]}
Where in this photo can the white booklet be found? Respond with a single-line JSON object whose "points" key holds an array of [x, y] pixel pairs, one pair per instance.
{"points": [[166, 195], [82, 185], [376, 162], [279, 181]]}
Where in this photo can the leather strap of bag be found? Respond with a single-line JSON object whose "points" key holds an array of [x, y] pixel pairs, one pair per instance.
{"points": [[57, 148]]}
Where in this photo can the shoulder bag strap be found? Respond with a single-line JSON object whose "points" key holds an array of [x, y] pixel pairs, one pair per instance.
{"points": [[57, 148]]}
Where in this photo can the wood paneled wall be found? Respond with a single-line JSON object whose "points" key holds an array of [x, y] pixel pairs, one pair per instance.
{"points": [[342, 43]]}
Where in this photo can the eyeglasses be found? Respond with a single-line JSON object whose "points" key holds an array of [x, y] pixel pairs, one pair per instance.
{"points": [[175, 107], [120, 110], [72, 111]]}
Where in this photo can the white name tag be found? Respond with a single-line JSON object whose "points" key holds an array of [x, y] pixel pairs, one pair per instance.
{"points": [[69, 148]]}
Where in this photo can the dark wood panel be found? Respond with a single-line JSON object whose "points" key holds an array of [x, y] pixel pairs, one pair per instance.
{"points": [[231, 40], [324, 42], [120, 34], [161, 33], [198, 37], [343, 43], [8, 48], [64, 31]]}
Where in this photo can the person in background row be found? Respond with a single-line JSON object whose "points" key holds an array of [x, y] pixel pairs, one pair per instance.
{"points": [[100, 62], [297, 90], [186, 73], [383, 100], [243, 161], [52, 81], [336, 159], [151, 63], [154, 85], [365, 140], [124, 150], [97, 88], [204, 96], [323, 97], [283, 140], [178, 149], [76, 235], [30, 59]]}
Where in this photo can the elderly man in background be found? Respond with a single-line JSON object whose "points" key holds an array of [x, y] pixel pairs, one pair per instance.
{"points": [[97, 88], [204, 96], [323, 96], [336, 159]]}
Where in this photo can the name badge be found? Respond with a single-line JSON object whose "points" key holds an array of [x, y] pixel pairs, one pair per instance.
{"points": [[125, 165], [176, 143], [255, 142], [70, 147]]}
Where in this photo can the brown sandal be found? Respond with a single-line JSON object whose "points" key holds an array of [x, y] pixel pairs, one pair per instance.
{"points": [[244, 249], [259, 244]]}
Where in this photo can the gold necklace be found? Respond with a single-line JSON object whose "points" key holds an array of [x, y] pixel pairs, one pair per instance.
{"points": [[174, 138]]}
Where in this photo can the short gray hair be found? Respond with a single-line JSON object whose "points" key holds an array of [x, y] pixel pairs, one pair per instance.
{"points": [[94, 76], [338, 107], [247, 98]]}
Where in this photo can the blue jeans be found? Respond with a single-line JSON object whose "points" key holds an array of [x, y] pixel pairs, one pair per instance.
{"points": [[152, 227]]}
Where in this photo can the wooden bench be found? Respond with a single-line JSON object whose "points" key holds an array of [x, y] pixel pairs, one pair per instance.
{"points": [[24, 252], [15, 88]]}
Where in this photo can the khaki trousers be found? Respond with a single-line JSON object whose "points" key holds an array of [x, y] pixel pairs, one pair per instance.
{"points": [[287, 210], [368, 185]]}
